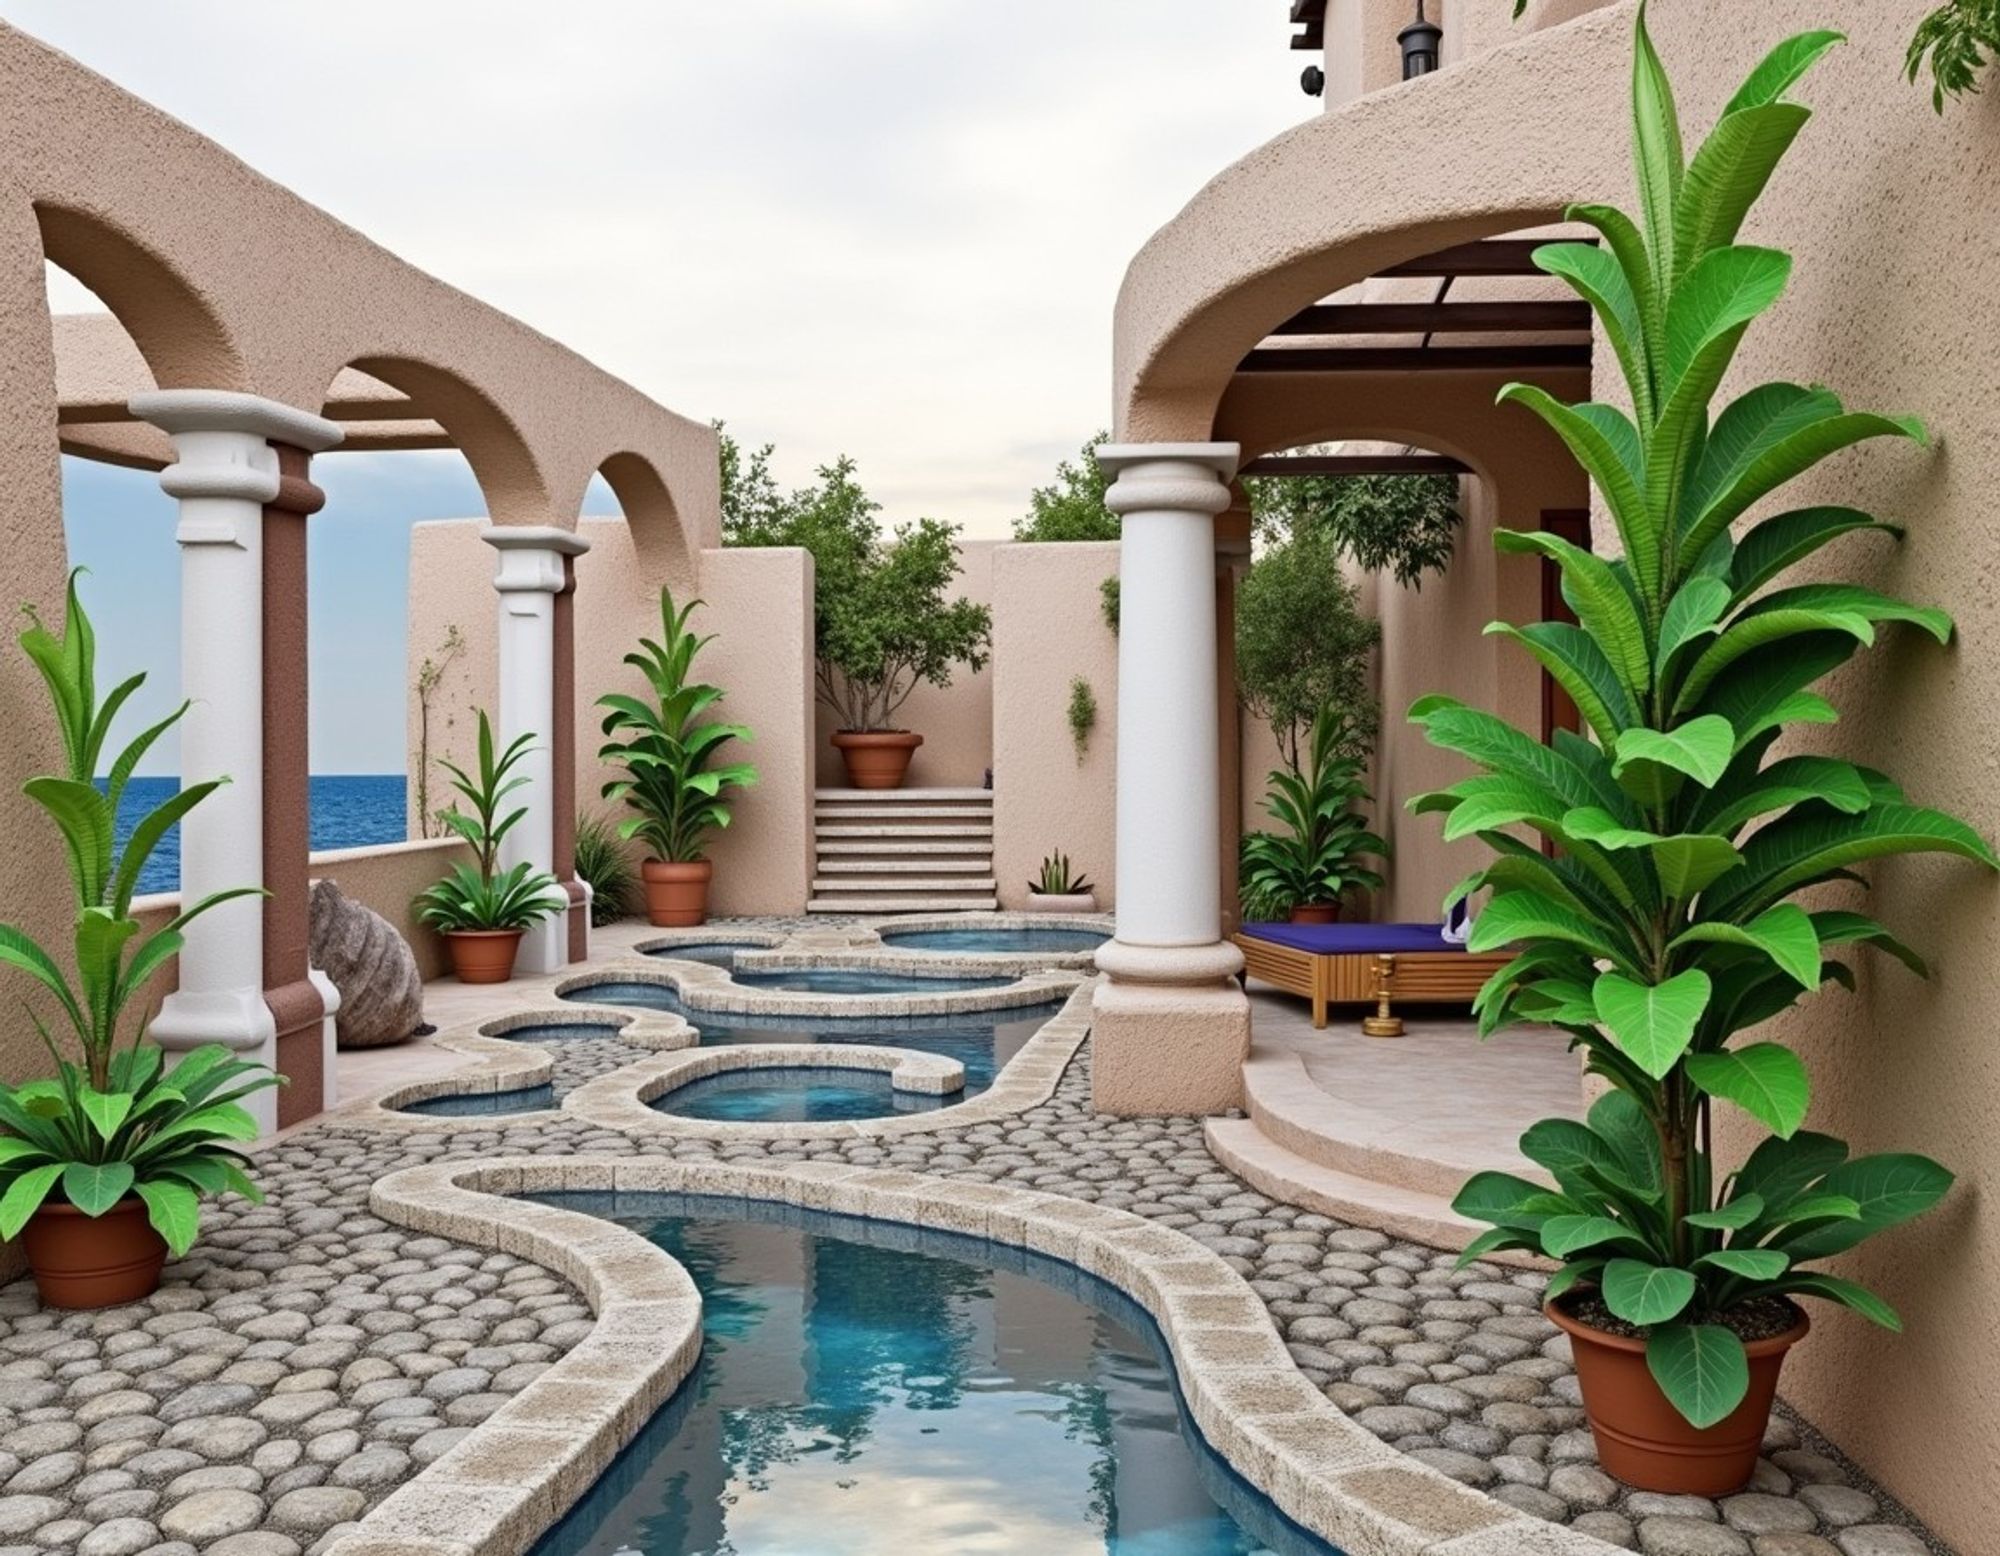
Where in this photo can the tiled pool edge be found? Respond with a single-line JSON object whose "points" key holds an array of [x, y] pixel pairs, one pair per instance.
{"points": [[497, 1490]]}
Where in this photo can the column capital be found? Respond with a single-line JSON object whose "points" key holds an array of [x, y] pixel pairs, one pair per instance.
{"points": [[1169, 477], [532, 556], [176, 411]]}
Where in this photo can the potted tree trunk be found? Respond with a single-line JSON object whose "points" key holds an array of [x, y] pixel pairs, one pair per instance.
{"points": [[1662, 931], [104, 1163], [481, 910], [666, 753], [1059, 890], [1302, 872]]}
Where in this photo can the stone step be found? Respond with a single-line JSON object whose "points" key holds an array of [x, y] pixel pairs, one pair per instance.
{"points": [[939, 812], [1408, 1213], [960, 829], [981, 861], [972, 847], [892, 883], [917, 796], [898, 902]]}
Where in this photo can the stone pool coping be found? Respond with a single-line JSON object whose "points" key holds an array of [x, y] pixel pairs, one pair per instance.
{"points": [[618, 1101], [513, 1476], [860, 944]]}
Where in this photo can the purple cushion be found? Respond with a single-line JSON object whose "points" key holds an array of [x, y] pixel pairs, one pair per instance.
{"points": [[1352, 939]]}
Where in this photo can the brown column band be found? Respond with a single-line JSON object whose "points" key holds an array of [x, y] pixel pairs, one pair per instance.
{"points": [[295, 1005]]}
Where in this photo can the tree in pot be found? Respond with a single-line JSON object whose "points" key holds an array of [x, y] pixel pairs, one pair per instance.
{"points": [[481, 910], [1303, 872], [103, 1166], [666, 755], [1663, 928]]}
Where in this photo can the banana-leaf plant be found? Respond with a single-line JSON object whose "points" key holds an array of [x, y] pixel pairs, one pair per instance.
{"points": [[666, 752], [482, 896], [1666, 928], [1317, 858], [113, 1121]]}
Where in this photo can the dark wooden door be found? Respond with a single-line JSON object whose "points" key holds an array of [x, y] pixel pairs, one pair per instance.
{"points": [[1573, 525]]}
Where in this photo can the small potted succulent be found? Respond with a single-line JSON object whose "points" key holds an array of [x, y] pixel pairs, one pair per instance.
{"points": [[666, 752], [481, 910], [1059, 890], [1660, 930], [103, 1166], [1301, 873]]}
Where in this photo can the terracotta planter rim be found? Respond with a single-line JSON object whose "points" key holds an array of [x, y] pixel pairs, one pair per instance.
{"points": [[482, 934], [52, 1207], [678, 869], [878, 736], [1770, 1345]]}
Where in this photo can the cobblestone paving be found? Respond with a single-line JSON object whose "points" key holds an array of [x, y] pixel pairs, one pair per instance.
{"points": [[308, 1357]]}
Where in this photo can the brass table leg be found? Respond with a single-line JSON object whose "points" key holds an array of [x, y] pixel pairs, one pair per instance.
{"points": [[1385, 1022]]}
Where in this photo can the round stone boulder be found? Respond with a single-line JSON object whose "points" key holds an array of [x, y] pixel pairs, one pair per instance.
{"points": [[373, 967]]}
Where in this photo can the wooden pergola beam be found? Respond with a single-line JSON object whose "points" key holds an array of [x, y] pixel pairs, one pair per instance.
{"points": [[1488, 257], [1354, 464], [1310, 17], [1517, 317], [1413, 359]]}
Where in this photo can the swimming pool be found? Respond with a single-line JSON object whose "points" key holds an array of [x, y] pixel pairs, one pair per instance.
{"points": [[796, 1094], [1066, 942], [718, 953], [526, 1099], [559, 1031], [982, 1041], [866, 1386], [859, 980]]}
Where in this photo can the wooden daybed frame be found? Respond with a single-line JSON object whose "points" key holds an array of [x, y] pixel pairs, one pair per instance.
{"points": [[1385, 978]]}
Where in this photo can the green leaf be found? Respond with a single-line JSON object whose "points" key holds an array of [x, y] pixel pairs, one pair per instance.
{"points": [[94, 1187], [1701, 1368], [1775, 544], [106, 1111], [1848, 1295], [1766, 1080], [1732, 1217], [1569, 1275], [1780, 1170], [1809, 845], [1606, 444], [1516, 916], [1656, 152], [1576, 663], [174, 1211], [1497, 1197], [1889, 1189], [1781, 68], [1565, 1235], [1602, 604], [1749, 1263], [1492, 1241], [1691, 614], [1700, 749], [24, 1197], [1621, 1123], [1646, 1294], [1652, 1024], [1843, 928], [1784, 933]]}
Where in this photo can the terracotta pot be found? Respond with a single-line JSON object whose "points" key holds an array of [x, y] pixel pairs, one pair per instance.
{"points": [[877, 758], [1316, 913], [483, 955], [84, 1261], [1643, 1440], [1062, 902], [676, 894]]}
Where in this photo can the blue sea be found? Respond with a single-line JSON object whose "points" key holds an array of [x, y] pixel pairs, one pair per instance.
{"points": [[347, 812]]}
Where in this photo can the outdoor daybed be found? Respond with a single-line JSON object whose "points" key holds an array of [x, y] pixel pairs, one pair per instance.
{"points": [[1412, 964]]}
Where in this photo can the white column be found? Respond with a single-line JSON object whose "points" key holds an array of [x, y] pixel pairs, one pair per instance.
{"points": [[529, 576], [1170, 1029], [225, 471]]}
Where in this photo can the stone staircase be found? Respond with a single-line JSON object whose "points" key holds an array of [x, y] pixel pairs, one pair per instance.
{"points": [[903, 851]]}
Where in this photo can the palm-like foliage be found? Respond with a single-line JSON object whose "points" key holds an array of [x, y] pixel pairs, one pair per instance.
{"points": [[1318, 856], [486, 897], [603, 862], [666, 753], [1058, 879], [1664, 927], [115, 1122]]}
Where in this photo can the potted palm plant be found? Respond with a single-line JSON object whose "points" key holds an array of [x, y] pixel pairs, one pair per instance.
{"points": [[1303, 872], [666, 755], [481, 910], [1664, 930], [103, 1165], [1060, 889]]}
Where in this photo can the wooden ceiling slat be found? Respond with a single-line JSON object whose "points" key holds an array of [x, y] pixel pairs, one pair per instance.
{"points": [[1489, 257], [1524, 317], [1413, 359]]}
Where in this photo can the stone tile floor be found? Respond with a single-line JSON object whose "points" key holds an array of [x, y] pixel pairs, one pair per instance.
{"points": [[308, 1357]]}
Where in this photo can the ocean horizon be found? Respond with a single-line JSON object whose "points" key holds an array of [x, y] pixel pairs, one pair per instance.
{"points": [[348, 811]]}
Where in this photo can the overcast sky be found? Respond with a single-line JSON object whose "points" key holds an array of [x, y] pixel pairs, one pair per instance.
{"points": [[890, 228]]}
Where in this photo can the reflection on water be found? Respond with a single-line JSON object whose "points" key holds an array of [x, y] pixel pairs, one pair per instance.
{"points": [[982, 1041], [796, 1094], [866, 1387]]}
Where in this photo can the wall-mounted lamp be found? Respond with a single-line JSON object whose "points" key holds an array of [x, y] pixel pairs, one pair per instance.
{"points": [[1420, 42], [1312, 81]]}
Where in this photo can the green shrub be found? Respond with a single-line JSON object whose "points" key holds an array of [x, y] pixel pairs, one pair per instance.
{"points": [[1082, 715], [602, 861], [1317, 858], [482, 896]]}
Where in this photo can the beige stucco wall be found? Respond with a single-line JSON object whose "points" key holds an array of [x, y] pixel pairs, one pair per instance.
{"points": [[956, 721], [758, 607], [1048, 628]]}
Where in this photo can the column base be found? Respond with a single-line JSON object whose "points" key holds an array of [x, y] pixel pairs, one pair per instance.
{"points": [[544, 947], [236, 1018], [1168, 1048], [577, 920]]}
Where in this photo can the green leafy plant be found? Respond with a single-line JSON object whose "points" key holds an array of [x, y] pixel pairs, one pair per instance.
{"points": [[482, 896], [1109, 601], [1664, 928], [1405, 525], [667, 751], [1956, 40], [602, 861], [1302, 646], [1082, 715], [1317, 858], [115, 1123], [1071, 507], [1057, 880]]}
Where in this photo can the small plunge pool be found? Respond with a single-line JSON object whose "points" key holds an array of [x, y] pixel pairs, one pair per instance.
{"points": [[1019, 942], [559, 1031], [718, 953], [806, 1094], [866, 1386], [526, 1099], [859, 980]]}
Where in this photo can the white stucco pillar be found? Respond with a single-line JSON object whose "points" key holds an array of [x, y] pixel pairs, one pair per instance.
{"points": [[225, 474], [532, 571], [1171, 1028]]}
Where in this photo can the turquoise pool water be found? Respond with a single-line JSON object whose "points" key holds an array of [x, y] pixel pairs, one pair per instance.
{"points": [[528, 1099], [796, 1094], [1017, 941], [560, 1032], [719, 953], [866, 1388], [859, 980], [982, 1041]]}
